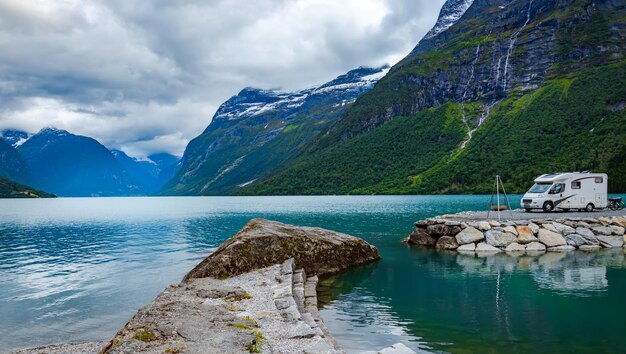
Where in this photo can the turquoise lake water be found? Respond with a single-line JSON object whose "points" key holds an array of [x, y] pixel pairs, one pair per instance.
{"points": [[74, 270]]}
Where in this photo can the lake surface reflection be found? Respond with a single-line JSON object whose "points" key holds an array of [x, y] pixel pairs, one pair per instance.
{"points": [[74, 270]]}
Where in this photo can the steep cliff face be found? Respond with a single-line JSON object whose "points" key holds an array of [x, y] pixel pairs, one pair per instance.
{"points": [[455, 111], [256, 131], [496, 49]]}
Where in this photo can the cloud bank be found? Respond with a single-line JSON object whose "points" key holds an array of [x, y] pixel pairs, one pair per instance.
{"points": [[148, 76]]}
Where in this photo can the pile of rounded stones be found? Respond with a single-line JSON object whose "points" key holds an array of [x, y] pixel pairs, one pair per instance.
{"points": [[521, 236]]}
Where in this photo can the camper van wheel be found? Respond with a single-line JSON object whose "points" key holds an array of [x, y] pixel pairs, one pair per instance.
{"points": [[589, 207], [547, 207]]}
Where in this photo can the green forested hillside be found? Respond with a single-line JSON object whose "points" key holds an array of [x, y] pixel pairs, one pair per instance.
{"points": [[9, 189], [568, 124], [516, 88]]}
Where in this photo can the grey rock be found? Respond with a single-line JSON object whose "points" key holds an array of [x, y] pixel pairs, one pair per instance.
{"points": [[511, 229], [317, 250], [611, 241], [486, 248], [535, 247], [515, 247], [469, 235], [484, 226], [617, 230], [589, 247], [534, 228], [584, 231], [602, 230], [563, 229], [575, 240], [498, 238], [551, 238], [468, 247], [565, 248], [549, 227]]}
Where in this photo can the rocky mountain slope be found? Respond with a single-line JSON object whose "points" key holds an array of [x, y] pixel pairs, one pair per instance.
{"points": [[256, 131], [516, 88]]}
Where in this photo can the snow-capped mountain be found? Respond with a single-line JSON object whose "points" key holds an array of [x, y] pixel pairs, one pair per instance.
{"points": [[450, 13], [253, 102], [14, 138], [255, 131]]}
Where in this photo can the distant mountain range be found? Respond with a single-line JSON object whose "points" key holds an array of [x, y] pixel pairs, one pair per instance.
{"points": [[72, 165]]}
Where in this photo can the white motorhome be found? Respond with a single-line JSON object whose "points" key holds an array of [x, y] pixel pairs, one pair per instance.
{"points": [[574, 190]]}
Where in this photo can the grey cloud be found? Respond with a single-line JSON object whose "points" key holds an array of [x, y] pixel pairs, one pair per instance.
{"points": [[147, 76]]}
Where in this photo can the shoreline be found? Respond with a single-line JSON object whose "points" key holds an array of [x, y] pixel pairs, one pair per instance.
{"points": [[520, 233]]}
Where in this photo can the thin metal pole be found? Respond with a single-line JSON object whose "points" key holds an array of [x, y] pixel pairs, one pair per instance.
{"points": [[498, 195], [506, 197], [490, 204]]}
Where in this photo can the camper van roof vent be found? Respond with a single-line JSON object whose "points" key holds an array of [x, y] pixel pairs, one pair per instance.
{"points": [[585, 171]]}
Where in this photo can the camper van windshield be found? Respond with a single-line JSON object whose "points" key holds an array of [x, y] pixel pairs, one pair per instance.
{"points": [[539, 187]]}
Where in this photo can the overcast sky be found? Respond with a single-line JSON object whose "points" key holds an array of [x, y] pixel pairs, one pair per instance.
{"points": [[147, 76]]}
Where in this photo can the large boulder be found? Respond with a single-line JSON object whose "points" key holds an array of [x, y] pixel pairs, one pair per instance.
{"points": [[469, 235], [515, 247], [535, 247], [575, 240], [602, 230], [447, 243], [486, 248], [497, 238], [468, 247], [551, 238], [563, 229], [262, 243], [611, 241], [421, 237], [617, 230], [438, 230], [525, 235]]}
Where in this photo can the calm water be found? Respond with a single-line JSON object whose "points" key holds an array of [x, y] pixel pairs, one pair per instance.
{"points": [[78, 269]]}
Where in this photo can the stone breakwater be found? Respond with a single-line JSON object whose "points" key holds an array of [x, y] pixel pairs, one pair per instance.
{"points": [[533, 236]]}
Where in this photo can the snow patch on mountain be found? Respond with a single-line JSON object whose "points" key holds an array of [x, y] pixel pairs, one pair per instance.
{"points": [[450, 13], [252, 102]]}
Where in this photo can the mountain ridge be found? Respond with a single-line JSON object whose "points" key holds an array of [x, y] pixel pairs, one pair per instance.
{"points": [[499, 59]]}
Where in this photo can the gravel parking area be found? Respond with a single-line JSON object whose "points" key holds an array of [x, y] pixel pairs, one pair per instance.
{"points": [[520, 214]]}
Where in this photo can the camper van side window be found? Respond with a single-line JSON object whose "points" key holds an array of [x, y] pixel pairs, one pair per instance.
{"points": [[598, 179], [576, 185]]}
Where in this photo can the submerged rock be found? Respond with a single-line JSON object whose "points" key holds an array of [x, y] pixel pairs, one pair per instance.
{"points": [[262, 243], [486, 248], [515, 247], [447, 243], [421, 237], [564, 248], [468, 247], [535, 247]]}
